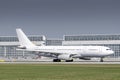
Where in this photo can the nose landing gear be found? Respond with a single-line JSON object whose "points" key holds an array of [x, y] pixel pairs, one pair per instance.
{"points": [[101, 60]]}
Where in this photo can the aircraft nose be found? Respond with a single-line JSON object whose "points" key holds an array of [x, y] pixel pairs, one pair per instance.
{"points": [[111, 52]]}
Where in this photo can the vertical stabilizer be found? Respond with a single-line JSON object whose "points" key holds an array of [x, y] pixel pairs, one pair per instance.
{"points": [[23, 39]]}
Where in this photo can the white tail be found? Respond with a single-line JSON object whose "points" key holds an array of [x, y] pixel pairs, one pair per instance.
{"points": [[23, 39]]}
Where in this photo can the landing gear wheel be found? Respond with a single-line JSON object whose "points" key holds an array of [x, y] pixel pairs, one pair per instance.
{"points": [[69, 60], [56, 60]]}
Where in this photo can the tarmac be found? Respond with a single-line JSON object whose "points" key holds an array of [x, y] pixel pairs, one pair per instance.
{"points": [[59, 62], [43, 60]]}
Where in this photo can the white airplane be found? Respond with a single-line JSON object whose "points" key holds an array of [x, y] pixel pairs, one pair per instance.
{"points": [[66, 53]]}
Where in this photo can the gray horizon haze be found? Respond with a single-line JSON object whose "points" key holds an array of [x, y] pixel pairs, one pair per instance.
{"points": [[55, 18]]}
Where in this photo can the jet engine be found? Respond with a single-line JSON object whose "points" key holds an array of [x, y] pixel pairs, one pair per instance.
{"points": [[65, 57]]}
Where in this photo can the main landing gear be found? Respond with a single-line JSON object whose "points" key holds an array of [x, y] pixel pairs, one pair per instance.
{"points": [[58, 60], [69, 60]]}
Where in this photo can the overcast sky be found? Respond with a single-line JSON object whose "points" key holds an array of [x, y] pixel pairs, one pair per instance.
{"points": [[55, 18]]}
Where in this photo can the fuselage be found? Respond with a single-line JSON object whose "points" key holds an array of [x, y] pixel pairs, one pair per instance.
{"points": [[84, 51]]}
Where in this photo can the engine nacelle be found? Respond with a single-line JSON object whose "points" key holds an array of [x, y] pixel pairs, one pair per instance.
{"points": [[21, 47], [64, 57]]}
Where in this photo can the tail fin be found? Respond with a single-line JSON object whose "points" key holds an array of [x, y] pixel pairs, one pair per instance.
{"points": [[23, 39]]}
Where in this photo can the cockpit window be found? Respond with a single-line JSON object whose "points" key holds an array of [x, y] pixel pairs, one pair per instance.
{"points": [[108, 49]]}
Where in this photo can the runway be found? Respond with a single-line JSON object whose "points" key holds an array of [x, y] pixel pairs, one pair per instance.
{"points": [[59, 62]]}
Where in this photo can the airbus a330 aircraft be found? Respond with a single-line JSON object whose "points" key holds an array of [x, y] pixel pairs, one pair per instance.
{"points": [[67, 53]]}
